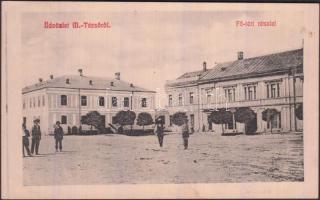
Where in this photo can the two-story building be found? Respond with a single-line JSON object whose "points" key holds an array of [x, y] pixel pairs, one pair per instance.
{"points": [[68, 98], [273, 82]]}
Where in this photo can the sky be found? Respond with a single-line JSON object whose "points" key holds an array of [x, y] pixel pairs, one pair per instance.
{"points": [[150, 47]]}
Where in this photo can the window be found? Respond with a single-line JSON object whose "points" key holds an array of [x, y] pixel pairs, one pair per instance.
{"points": [[180, 99], [230, 94], [43, 101], [275, 122], [63, 100], [170, 100], [229, 126], [191, 97], [170, 117], [273, 90], [83, 100], [114, 102], [101, 101], [24, 104], [126, 102], [250, 92], [39, 104], [144, 102], [63, 119], [34, 102], [30, 103], [192, 120], [208, 94]]}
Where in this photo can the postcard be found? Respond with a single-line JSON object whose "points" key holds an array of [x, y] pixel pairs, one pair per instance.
{"points": [[159, 100]]}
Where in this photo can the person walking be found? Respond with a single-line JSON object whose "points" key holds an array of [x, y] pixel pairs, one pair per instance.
{"points": [[58, 136], [36, 137], [25, 140], [185, 133], [158, 130]]}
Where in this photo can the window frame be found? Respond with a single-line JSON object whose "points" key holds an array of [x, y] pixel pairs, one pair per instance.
{"points": [[114, 102], [126, 100], [144, 102], [64, 119], [101, 101], [63, 101], [84, 100]]}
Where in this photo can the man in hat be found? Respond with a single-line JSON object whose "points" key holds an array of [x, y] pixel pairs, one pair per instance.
{"points": [[25, 140], [36, 136], [185, 133], [158, 130], [58, 136]]}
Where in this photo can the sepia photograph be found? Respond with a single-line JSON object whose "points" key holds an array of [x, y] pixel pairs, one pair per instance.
{"points": [[141, 95]]}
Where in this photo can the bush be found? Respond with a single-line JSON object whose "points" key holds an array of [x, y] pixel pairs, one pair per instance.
{"points": [[179, 118], [93, 118], [144, 119]]}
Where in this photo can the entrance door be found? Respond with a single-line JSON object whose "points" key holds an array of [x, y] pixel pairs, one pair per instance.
{"points": [[192, 120], [103, 118], [251, 126]]}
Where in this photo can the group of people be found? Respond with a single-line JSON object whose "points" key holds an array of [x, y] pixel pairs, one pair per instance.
{"points": [[159, 132], [58, 136], [36, 137]]}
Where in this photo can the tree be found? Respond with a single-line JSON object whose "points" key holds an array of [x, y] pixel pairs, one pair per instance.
{"points": [[126, 118], [144, 119], [268, 115], [244, 115], [220, 116], [178, 118], [93, 118]]}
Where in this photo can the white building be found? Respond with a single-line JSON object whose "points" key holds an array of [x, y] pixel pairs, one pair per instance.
{"points": [[67, 98], [272, 81]]}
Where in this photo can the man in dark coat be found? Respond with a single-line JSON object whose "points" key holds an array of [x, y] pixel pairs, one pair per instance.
{"points": [[36, 137], [58, 136], [185, 133], [25, 140], [158, 130]]}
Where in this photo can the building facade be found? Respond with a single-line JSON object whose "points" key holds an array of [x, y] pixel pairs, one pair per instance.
{"points": [[273, 82], [68, 98]]}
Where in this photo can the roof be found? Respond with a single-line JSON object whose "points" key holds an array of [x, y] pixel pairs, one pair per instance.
{"points": [[83, 82], [257, 65], [193, 74], [261, 65]]}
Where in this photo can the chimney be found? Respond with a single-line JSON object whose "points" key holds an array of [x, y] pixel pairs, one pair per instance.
{"points": [[67, 81], [80, 72], [117, 75], [90, 82], [131, 85], [111, 83], [240, 55], [51, 76], [40, 80], [204, 66]]}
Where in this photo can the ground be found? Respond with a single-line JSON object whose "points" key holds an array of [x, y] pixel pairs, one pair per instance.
{"points": [[114, 159]]}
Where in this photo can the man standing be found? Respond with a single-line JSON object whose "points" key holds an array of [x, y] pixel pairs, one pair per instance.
{"points": [[185, 133], [159, 131], [25, 140], [58, 136], [36, 136]]}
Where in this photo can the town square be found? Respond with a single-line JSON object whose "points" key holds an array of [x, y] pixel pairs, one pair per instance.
{"points": [[210, 158]]}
